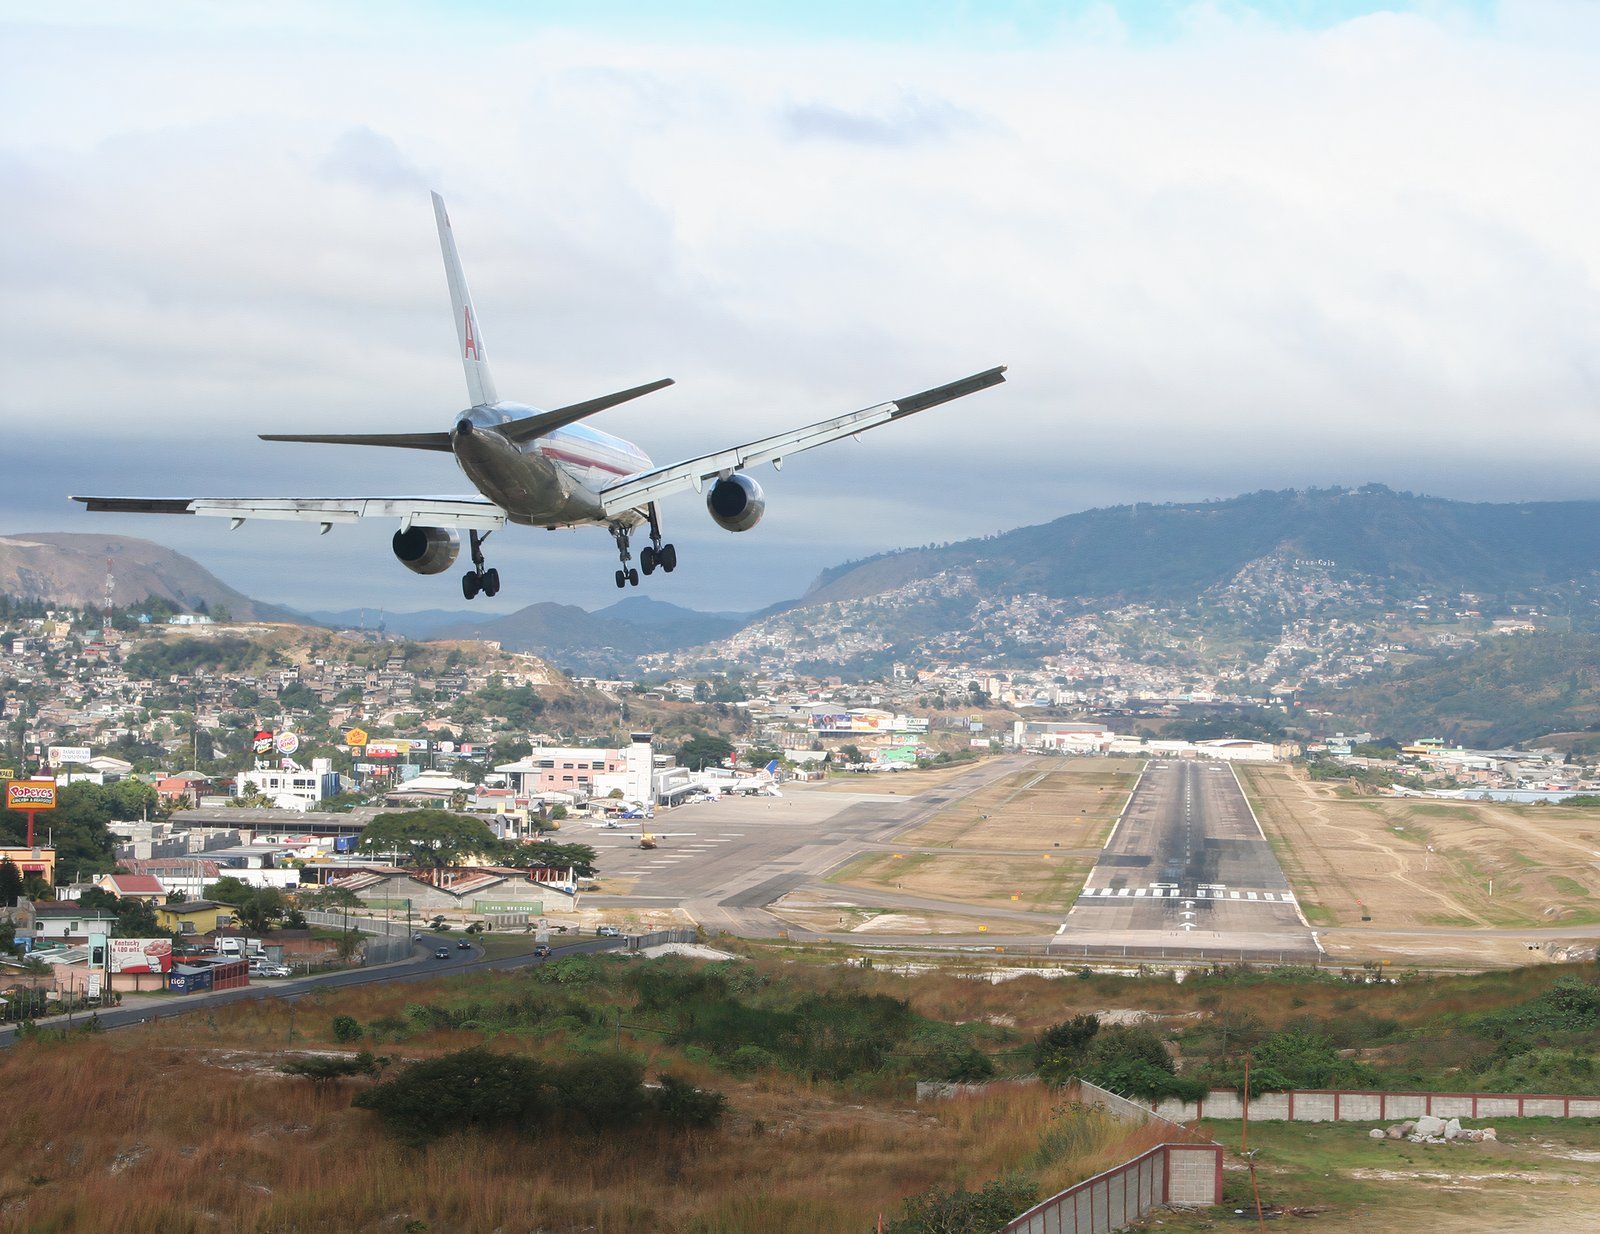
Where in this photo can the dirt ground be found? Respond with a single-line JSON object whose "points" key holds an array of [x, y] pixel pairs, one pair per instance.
{"points": [[892, 783], [1543, 1176], [1026, 841], [1393, 863]]}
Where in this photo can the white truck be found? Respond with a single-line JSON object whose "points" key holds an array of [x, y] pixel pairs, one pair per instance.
{"points": [[245, 948]]}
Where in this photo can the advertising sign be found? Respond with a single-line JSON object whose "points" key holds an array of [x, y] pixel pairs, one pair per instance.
{"points": [[30, 794], [447, 747], [356, 737], [69, 754], [388, 749], [8, 773], [139, 955], [263, 741], [286, 743]]}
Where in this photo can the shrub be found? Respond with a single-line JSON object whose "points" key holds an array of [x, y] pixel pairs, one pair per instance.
{"points": [[346, 1028], [937, 1211], [680, 1105], [322, 1068], [1061, 1049], [472, 1088], [748, 1058]]}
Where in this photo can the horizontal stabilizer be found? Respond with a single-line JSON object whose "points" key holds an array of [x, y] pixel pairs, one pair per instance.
{"points": [[400, 441], [529, 427]]}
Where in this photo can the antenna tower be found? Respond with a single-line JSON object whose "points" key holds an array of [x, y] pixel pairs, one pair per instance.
{"points": [[111, 586]]}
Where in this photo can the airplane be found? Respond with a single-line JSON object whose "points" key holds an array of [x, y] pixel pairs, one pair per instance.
{"points": [[757, 784], [542, 468]]}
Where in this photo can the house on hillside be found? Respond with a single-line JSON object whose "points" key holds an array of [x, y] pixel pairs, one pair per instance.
{"points": [[196, 917], [146, 887]]}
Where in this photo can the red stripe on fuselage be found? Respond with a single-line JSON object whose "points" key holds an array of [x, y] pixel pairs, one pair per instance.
{"points": [[568, 457]]}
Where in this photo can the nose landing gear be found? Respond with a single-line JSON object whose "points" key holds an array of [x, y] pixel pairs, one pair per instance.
{"points": [[479, 579]]}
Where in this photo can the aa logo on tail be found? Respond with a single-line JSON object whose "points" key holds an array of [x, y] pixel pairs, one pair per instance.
{"points": [[470, 348]]}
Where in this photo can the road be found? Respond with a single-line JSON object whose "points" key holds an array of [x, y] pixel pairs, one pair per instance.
{"points": [[422, 967], [1188, 866]]}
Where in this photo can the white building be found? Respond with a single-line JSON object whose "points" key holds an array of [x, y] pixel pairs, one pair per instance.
{"points": [[293, 788]]}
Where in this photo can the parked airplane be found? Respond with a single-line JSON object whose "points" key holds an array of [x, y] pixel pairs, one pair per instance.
{"points": [[542, 468]]}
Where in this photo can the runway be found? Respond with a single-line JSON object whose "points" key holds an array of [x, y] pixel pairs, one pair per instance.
{"points": [[1187, 867]]}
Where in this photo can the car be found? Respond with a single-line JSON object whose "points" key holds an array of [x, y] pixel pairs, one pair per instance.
{"points": [[441, 954], [271, 970], [542, 951], [609, 931], [417, 938], [463, 945]]}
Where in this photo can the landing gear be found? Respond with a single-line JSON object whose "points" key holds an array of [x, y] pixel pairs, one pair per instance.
{"points": [[479, 579], [657, 554]]}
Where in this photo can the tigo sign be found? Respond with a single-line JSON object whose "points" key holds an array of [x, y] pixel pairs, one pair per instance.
{"points": [[30, 794]]}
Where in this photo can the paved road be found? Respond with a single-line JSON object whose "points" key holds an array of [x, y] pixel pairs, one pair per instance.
{"points": [[1188, 865], [421, 968]]}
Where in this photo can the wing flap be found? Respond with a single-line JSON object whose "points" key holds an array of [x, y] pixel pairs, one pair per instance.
{"points": [[632, 492], [475, 513]]}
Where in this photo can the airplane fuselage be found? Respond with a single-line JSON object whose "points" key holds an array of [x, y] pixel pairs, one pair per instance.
{"points": [[550, 481]]}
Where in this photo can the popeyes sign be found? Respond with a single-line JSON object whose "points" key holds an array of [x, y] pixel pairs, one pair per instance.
{"points": [[30, 794]]}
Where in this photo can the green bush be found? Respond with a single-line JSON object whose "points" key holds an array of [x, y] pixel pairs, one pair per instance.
{"points": [[680, 1105], [938, 1211], [346, 1028]]}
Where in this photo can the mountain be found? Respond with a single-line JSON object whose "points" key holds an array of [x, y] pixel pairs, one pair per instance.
{"points": [[1502, 691], [608, 638], [422, 624], [1266, 594], [69, 569], [1169, 553]]}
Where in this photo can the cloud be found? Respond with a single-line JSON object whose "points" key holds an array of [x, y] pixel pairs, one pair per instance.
{"points": [[1238, 256], [911, 122], [362, 156]]}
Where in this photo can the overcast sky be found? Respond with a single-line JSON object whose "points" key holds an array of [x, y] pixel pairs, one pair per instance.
{"points": [[1223, 247]]}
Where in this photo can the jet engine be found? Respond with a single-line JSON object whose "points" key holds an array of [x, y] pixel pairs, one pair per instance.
{"points": [[737, 503], [427, 550]]}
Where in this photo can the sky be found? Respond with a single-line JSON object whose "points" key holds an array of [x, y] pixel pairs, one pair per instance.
{"points": [[1222, 247]]}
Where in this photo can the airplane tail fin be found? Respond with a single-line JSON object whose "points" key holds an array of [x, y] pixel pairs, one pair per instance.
{"points": [[772, 768], [474, 359]]}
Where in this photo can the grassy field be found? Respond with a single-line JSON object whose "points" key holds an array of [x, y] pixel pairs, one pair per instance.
{"points": [[1405, 863], [1543, 1175], [1026, 841]]}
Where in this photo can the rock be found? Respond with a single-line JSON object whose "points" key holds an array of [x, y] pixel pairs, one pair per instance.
{"points": [[1488, 1134], [1407, 1127], [1395, 1133], [1452, 1129], [1378, 1133], [1428, 1126]]}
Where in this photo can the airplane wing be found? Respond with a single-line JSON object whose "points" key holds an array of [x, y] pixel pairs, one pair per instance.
{"points": [[633, 492], [475, 513]]}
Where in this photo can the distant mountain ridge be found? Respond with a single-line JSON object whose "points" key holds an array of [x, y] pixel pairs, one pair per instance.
{"points": [[1171, 553], [69, 568], [606, 638]]}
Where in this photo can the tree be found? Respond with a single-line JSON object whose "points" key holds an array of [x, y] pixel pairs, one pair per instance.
{"points": [[135, 918], [322, 1067], [580, 857], [432, 839], [79, 823], [704, 750], [1061, 1050], [852, 754], [258, 907], [10, 883]]}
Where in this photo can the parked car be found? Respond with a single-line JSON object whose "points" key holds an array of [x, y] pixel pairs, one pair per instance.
{"points": [[542, 951], [271, 970], [609, 931], [441, 954]]}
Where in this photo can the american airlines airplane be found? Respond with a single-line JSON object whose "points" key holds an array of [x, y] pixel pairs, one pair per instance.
{"points": [[542, 468]]}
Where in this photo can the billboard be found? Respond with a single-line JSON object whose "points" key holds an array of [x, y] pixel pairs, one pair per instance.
{"points": [[263, 742], [139, 955], [356, 737], [30, 794], [69, 754], [286, 743], [388, 749]]}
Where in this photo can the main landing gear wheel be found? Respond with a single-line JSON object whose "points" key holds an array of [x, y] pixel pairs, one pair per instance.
{"points": [[658, 554], [622, 578], [479, 579]]}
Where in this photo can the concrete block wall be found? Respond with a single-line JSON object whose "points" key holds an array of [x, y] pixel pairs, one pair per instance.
{"points": [[1313, 1106], [1105, 1203], [1194, 1174]]}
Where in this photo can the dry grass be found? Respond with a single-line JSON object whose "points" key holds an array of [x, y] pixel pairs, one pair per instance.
{"points": [[186, 1126], [1026, 841], [1349, 857]]}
